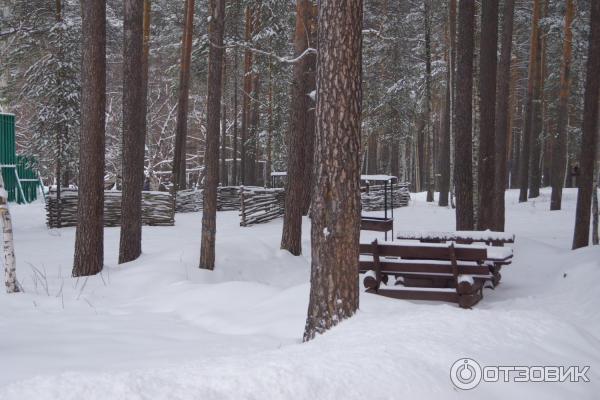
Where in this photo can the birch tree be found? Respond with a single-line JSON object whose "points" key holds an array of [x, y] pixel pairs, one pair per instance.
{"points": [[10, 268]]}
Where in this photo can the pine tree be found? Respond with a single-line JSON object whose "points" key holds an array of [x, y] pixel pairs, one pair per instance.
{"points": [[502, 116], [134, 134], [211, 154], [531, 107], [299, 132], [336, 213], [463, 168], [180, 158], [446, 136], [589, 143], [428, 173], [487, 85], [89, 236], [559, 150]]}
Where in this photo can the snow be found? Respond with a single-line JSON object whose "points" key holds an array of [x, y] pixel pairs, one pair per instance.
{"points": [[160, 328], [476, 236], [379, 178]]}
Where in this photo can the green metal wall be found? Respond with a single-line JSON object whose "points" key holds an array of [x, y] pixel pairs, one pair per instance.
{"points": [[8, 153], [8, 156], [25, 170]]}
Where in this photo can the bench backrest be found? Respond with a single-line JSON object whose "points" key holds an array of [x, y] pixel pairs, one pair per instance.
{"points": [[425, 252]]}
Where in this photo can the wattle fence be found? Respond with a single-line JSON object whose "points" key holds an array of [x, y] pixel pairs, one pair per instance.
{"points": [[255, 204], [374, 199], [258, 206], [157, 209]]}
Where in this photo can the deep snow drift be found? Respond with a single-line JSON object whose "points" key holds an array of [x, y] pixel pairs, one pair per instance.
{"points": [[159, 328]]}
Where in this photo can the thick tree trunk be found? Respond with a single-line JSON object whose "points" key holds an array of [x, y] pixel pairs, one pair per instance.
{"points": [[446, 135], [134, 135], [335, 228], [216, 27], [297, 136], [8, 246], [502, 118], [590, 133], [463, 167], [488, 46], [531, 105], [89, 236], [559, 150], [180, 158]]}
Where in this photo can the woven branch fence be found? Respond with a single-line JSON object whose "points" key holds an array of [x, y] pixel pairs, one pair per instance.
{"points": [[263, 205], [157, 209]]}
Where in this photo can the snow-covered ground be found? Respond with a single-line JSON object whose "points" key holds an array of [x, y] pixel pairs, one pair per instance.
{"points": [[160, 328]]}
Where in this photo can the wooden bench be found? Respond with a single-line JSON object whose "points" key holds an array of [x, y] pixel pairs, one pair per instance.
{"points": [[452, 273]]}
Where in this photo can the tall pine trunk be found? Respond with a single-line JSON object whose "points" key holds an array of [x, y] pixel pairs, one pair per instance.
{"points": [[463, 164], [487, 89], [234, 139], [502, 117], [89, 235], [134, 135], [179, 160], [428, 156], [224, 176], [531, 104], [246, 89], [269, 146], [559, 149], [309, 143], [335, 227], [446, 135], [537, 126], [298, 134], [216, 27], [589, 142], [253, 128]]}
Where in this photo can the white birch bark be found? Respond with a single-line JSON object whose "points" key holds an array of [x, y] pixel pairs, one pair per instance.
{"points": [[10, 271]]}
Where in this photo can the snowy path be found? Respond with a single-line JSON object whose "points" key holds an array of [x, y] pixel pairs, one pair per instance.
{"points": [[159, 328]]}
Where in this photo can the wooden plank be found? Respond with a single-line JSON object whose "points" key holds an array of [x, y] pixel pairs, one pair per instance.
{"points": [[412, 294], [423, 267]]}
